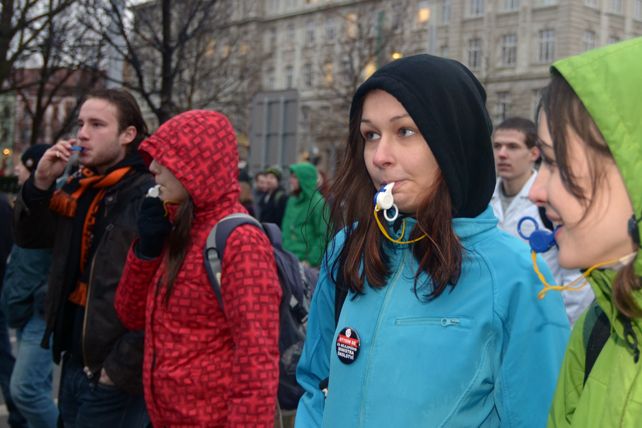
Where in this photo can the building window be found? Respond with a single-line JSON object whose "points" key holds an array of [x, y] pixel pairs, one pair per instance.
{"points": [[588, 40], [637, 9], [330, 29], [269, 78], [474, 53], [423, 12], [307, 75], [616, 6], [328, 73], [347, 70], [475, 7], [502, 108], [536, 97], [368, 70], [446, 8], [351, 25], [509, 50], [290, 32], [444, 51], [289, 76], [590, 3], [309, 32], [546, 41], [612, 39], [544, 3], [509, 5], [272, 38], [397, 20]]}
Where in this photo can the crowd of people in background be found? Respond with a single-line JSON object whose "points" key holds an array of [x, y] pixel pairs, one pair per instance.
{"points": [[467, 276]]}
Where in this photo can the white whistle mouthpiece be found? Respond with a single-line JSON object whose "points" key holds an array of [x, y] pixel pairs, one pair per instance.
{"points": [[153, 192], [386, 202]]}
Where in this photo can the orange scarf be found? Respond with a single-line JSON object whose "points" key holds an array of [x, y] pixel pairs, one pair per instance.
{"points": [[65, 202]]}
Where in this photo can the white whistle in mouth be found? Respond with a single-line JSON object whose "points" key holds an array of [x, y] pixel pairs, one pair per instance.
{"points": [[385, 199], [153, 192], [386, 202]]}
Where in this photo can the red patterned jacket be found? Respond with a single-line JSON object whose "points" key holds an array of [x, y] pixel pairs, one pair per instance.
{"points": [[203, 367]]}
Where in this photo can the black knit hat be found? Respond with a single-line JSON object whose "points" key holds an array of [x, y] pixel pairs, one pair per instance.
{"points": [[32, 155], [447, 103]]}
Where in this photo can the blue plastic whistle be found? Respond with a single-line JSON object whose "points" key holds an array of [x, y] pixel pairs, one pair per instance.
{"points": [[540, 240]]}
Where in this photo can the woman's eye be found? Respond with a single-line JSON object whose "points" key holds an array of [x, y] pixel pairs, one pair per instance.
{"points": [[370, 135], [406, 132]]}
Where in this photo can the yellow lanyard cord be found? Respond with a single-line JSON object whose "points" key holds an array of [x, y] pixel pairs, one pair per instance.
{"points": [[571, 286], [403, 229]]}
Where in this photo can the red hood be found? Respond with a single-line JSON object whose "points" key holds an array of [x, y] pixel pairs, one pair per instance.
{"points": [[199, 148]]}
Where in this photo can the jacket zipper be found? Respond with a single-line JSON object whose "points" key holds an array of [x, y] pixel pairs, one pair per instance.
{"points": [[108, 230], [444, 322], [386, 301]]}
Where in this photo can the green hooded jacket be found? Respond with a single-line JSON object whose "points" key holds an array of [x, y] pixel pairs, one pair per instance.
{"points": [[305, 220], [609, 83]]}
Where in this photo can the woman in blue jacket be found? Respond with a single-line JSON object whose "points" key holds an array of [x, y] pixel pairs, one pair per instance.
{"points": [[441, 325]]}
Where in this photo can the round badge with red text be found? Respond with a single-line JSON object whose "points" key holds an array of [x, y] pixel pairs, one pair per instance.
{"points": [[348, 344]]}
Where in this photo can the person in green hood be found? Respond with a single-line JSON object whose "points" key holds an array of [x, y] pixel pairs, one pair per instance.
{"points": [[590, 131], [304, 223]]}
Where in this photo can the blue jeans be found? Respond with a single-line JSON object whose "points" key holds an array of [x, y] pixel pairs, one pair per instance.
{"points": [[31, 378], [6, 367], [84, 403]]}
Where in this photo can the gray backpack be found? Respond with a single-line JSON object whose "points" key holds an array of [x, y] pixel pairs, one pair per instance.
{"points": [[296, 284]]}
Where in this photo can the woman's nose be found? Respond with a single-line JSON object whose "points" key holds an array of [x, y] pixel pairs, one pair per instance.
{"points": [[538, 193], [384, 153]]}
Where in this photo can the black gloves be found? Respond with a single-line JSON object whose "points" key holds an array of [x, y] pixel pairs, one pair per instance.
{"points": [[153, 228]]}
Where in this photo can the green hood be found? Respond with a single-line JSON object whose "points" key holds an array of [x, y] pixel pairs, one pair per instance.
{"points": [[609, 82], [306, 173]]}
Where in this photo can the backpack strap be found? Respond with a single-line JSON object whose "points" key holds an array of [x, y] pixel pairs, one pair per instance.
{"points": [[215, 248], [340, 294], [598, 329]]}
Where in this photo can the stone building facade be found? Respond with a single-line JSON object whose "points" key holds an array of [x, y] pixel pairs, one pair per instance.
{"points": [[311, 46]]}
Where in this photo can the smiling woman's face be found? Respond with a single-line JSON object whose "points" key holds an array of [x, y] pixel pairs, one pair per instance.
{"points": [[395, 151], [592, 232]]}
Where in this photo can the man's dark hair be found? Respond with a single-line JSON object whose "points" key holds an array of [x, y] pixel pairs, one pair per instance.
{"points": [[129, 113], [523, 125]]}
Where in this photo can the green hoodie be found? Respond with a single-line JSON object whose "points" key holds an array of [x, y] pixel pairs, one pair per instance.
{"points": [[305, 221], [609, 83]]}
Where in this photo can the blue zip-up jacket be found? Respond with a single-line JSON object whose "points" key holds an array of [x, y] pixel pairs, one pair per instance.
{"points": [[485, 354]]}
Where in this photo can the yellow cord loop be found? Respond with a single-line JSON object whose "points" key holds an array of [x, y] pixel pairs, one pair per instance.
{"points": [[571, 286], [403, 229]]}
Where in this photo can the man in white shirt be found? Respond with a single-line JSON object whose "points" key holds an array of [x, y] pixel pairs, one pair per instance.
{"points": [[515, 157]]}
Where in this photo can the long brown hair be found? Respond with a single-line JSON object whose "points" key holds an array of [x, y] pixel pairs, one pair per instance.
{"points": [[362, 257], [178, 244], [565, 110]]}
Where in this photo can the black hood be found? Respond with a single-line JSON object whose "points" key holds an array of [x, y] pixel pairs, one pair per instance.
{"points": [[448, 105]]}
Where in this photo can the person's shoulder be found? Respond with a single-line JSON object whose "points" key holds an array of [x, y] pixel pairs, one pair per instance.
{"points": [[507, 257], [248, 238], [136, 183]]}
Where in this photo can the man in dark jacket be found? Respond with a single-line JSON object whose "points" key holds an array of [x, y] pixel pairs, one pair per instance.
{"points": [[272, 203], [90, 222]]}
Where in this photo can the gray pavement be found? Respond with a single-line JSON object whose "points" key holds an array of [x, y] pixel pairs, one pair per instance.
{"points": [[3, 408]]}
